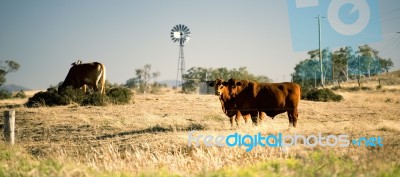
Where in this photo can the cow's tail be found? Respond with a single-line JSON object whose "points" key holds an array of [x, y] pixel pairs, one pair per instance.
{"points": [[103, 79]]}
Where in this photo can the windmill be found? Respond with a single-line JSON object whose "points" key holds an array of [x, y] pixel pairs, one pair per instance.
{"points": [[180, 33]]}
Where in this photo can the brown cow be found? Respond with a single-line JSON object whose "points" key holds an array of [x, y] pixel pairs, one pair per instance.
{"points": [[270, 98], [227, 104], [91, 74]]}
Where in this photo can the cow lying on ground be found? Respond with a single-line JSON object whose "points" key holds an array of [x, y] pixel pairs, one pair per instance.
{"points": [[227, 104], [90, 74], [270, 98]]}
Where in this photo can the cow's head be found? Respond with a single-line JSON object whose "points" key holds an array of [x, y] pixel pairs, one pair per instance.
{"points": [[69, 79], [233, 86], [61, 87], [218, 86]]}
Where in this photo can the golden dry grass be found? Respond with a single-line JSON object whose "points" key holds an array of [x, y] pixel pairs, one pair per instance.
{"points": [[152, 133]]}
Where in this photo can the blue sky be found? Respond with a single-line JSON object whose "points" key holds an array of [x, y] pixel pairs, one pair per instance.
{"points": [[46, 36]]}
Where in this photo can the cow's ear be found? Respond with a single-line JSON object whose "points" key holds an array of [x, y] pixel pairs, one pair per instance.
{"points": [[239, 84], [225, 83], [211, 84]]}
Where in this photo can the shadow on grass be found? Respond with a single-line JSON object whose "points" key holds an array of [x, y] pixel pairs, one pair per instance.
{"points": [[154, 129], [11, 106]]}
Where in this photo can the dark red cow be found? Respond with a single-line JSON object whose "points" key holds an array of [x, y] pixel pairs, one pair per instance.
{"points": [[270, 98]]}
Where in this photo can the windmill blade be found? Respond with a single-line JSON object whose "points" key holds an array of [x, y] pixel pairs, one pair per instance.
{"points": [[180, 33]]}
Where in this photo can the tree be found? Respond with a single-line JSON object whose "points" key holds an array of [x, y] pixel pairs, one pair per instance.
{"points": [[386, 64], [142, 79], [132, 83], [340, 60], [10, 66], [341, 65], [195, 75], [307, 72], [326, 65], [368, 60]]}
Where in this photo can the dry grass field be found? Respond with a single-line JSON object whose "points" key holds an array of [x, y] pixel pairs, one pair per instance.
{"points": [[149, 137]]}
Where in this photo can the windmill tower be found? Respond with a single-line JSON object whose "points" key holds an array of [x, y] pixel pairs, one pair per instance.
{"points": [[180, 33]]}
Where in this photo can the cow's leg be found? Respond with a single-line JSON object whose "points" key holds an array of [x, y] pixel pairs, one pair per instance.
{"points": [[260, 116], [254, 117], [237, 117], [246, 117], [231, 120], [293, 115], [84, 88], [237, 120], [95, 88], [289, 114]]}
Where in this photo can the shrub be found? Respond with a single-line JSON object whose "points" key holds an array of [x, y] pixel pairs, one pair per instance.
{"points": [[366, 88], [4, 94], [71, 95], [51, 97], [354, 89], [20, 94], [94, 99], [119, 95], [358, 88], [336, 88], [324, 94], [47, 98]]}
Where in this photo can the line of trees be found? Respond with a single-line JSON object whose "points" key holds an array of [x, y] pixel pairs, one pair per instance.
{"points": [[195, 75], [341, 65], [143, 82]]}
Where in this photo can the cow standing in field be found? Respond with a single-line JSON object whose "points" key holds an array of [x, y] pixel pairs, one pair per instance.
{"points": [[270, 98], [227, 103], [81, 74]]}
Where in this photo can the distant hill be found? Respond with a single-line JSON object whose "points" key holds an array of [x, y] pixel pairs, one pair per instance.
{"points": [[13, 88]]}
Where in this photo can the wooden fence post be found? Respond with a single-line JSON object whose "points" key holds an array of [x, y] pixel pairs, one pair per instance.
{"points": [[9, 126]]}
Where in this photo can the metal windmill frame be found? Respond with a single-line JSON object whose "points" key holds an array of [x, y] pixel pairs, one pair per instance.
{"points": [[180, 33]]}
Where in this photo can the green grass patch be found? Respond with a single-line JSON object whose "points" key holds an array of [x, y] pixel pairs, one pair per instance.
{"points": [[317, 163], [14, 161]]}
